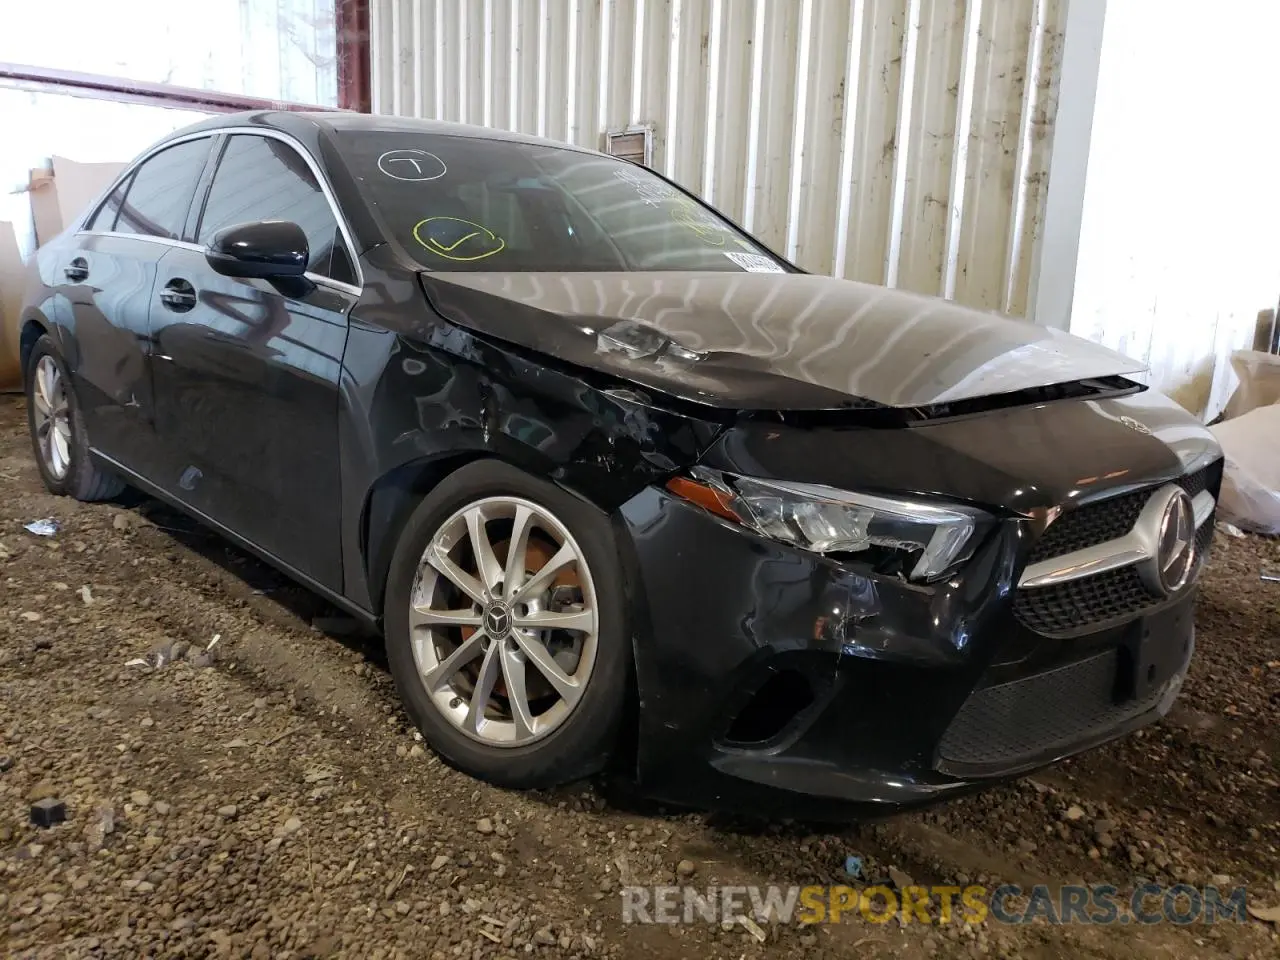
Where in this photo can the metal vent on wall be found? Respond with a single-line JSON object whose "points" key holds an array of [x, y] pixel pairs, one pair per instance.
{"points": [[633, 143]]}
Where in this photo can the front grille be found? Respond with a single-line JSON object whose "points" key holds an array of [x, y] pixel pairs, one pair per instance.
{"points": [[1102, 520], [1086, 604], [1012, 723], [1195, 483], [1090, 525], [1204, 540]]}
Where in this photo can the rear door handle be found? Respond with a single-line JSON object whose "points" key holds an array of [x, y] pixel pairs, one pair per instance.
{"points": [[77, 270], [178, 295]]}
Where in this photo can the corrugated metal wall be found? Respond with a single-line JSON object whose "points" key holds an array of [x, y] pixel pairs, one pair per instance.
{"points": [[826, 127]]}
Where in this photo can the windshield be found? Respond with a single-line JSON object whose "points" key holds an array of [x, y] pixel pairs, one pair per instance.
{"points": [[462, 203]]}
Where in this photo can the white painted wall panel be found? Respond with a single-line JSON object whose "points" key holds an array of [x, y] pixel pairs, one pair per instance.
{"points": [[898, 141], [88, 131], [273, 49]]}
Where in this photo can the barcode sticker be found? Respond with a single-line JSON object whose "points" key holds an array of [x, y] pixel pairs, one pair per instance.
{"points": [[754, 262]]}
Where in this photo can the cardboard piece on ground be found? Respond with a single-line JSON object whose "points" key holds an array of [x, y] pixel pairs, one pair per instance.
{"points": [[59, 194], [1259, 375], [11, 282]]}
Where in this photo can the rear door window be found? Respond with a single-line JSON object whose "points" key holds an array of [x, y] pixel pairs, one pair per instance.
{"points": [[105, 218]]}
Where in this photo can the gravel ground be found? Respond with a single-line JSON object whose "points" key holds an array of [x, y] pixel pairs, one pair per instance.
{"points": [[266, 798]]}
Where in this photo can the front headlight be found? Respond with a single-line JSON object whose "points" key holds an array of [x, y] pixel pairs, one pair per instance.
{"points": [[931, 538]]}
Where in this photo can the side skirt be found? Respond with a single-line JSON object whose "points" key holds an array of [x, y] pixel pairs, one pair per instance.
{"points": [[369, 619]]}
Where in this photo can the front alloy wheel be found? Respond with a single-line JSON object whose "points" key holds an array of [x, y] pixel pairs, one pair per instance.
{"points": [[504, 631], [508, 629]]}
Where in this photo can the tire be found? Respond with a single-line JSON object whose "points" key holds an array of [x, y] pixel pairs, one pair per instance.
{"points": [[75, 474], [580, 739]]}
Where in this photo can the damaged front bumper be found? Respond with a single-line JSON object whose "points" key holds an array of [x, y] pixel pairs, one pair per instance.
{"points": [[773, 680]]}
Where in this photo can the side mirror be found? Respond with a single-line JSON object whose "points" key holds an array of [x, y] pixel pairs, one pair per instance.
{"points": [[263, 250]]}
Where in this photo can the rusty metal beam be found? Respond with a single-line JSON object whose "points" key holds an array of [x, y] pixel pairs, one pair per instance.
{"points": [[354, 92], [99, 87]]}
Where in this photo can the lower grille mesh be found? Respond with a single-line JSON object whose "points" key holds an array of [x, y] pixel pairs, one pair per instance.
{"points": [[1013, 722]]}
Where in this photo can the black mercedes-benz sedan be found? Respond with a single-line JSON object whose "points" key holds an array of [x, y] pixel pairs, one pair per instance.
{"points": [[619, 485]]}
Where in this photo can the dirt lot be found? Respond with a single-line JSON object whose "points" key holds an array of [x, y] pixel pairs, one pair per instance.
{"points": [[269, 800]]}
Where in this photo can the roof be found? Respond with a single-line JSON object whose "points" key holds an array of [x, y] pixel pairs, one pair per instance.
{"points": [[347, 121]]}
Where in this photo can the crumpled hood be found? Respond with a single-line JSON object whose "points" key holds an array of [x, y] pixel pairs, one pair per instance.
{"points": [[770, 341]]}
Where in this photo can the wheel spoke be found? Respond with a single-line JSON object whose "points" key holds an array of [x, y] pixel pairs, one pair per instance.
{"points": [[543, 578], [489, 670], [51, 379], [42, 405], [486, 562], [464, 581], [40, 390], [467, 651], [518, 549], [447, 618], [541, 658], [517, 695], [60, 446], [582, 621]]}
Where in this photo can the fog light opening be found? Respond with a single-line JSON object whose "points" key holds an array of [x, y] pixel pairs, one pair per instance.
{"points": [[779, 701]]}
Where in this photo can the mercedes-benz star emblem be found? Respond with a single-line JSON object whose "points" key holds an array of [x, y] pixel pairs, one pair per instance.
{"points": [[1175, 552], [497, 620]]}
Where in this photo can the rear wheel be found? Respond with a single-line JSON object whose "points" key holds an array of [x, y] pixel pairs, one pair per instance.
{"points": [[506, 628], [58, 435]]}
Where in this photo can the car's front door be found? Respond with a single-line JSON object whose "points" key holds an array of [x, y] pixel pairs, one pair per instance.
{"points": [[246, 372], [107, 274]]}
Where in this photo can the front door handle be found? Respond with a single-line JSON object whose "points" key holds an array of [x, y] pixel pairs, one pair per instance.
{"points": [[178, 295], [77, 270]]}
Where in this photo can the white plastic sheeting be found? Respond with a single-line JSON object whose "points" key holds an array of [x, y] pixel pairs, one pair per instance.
{"points": [[1179, 246], [895, 141], [1250, 495]]}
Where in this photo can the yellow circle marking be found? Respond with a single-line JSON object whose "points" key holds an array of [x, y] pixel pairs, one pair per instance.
{"points": [[441, 250]]}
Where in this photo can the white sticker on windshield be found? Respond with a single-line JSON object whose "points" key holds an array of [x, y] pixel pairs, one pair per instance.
{"points": [[754, 262], [412, 165]]}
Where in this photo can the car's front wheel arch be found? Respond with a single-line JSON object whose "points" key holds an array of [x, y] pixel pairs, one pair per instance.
{"points": [[389, 503]]}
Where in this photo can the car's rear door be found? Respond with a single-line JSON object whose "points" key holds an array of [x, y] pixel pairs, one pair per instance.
{"points": [[107, 274], [247, 372]]}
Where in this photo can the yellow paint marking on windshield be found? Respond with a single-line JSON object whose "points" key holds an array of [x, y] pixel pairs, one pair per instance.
{"points": [[454, 246], [706, 230], [439, 249]]}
